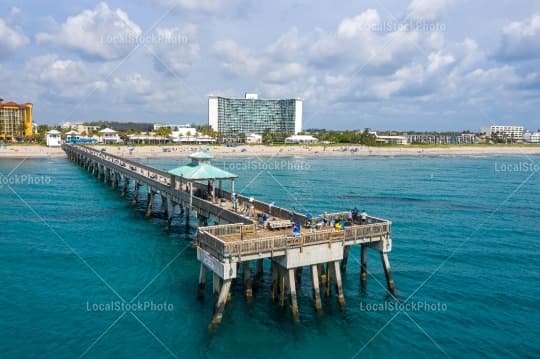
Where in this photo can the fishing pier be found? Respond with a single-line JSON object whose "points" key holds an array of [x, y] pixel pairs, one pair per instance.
{"points": [[246, 231]]}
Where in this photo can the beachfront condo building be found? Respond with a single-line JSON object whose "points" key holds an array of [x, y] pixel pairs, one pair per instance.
{"points": [[15, 120], [251, 115], [510, 132]]}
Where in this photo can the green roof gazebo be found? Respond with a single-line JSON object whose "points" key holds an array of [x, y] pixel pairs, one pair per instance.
{"points": [[201, 169]]}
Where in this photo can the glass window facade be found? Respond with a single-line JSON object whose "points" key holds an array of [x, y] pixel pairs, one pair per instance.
{"points": [[236, 116]]}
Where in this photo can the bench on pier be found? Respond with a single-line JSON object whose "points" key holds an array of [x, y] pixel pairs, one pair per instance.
{"points": [[279, 224]]}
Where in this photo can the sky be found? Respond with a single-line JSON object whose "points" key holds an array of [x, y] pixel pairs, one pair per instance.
{"points": [[382, 64]]}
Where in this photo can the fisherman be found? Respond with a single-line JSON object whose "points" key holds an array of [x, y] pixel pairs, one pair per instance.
{"points": [[355, 213], [363, 216]]}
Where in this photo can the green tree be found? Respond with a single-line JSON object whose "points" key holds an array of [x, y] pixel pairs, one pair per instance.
{"points": [[163, 131], [267, 136]]}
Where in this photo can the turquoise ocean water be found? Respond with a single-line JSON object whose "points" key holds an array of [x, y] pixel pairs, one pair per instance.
{"points": [[465, 260]]}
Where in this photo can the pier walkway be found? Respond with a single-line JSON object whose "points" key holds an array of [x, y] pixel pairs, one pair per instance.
{"points": [[261, 231]]}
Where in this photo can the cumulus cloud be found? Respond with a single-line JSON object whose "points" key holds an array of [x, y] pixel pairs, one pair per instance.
{"points": [[428, 10], [194, 5], [438, 60], [235, 59], [100, 33], [64, 78], [520, 40], [288, 47], [286, 73], [10, 39], [176, 50], [358, 45], [52, 69]]}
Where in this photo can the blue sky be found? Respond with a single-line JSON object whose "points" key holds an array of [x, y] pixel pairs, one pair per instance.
{"points": [[383, 64]]}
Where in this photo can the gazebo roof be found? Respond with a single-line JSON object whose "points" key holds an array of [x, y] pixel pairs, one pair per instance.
{"points": [[201, 171], [201, 156]]}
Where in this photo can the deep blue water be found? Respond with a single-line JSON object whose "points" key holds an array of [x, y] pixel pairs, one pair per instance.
{"points": [[465, 241]]}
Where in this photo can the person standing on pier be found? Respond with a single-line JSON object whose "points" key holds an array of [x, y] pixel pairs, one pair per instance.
{"points": [[355, 214], [363, 216]]}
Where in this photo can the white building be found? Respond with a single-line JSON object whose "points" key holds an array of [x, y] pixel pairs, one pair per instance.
{"points": [[157, 126], [184, 134], [72, 136], [147, 138], [304, 139], [510, 132], [394, 140], [253, 139], [53, 138], [234, 116], [109, 136], [532, 137]]}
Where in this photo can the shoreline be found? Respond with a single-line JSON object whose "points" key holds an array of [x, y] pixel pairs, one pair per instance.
{"points": [[247, 151]]}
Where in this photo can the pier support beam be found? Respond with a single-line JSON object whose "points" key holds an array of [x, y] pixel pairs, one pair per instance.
{"points": [[345, 258], [125, 186], [322, 274], [222, 300], [316, 290], [275, 282], [149, 203], [339, 284], [291, 282], [164, 207], [135, 193], [329, 275], [169, 212], [282, 287], [216, 283], [202, 281], [363, 264], [387, 272], [259, 270], [114, 184], [247, 279]]}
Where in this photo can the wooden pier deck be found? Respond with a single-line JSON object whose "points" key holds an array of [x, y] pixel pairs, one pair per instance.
{"points": [[242, 237]]}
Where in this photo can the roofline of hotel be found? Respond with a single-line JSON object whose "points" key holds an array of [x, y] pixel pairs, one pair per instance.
{"points": [[258, 99], [14, 104]]}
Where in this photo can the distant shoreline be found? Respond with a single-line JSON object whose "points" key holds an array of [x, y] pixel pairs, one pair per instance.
{"points": [[247, 151]]}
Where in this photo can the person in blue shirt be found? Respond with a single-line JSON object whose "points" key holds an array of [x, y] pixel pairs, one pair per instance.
{"points": [[355, 213]]}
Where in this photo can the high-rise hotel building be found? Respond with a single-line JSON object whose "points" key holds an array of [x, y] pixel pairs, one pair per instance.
{"points": [[15, 120], [234, 116]]}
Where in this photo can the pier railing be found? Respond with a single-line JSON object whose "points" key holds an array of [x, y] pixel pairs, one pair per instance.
{"points": [[209, 239]]}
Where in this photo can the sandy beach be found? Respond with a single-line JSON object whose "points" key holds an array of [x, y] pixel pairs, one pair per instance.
{"points": [[247, 151]]}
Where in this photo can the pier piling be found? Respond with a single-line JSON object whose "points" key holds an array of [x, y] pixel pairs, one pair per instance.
{"points": [[291, 282], [387, 272], [315, 284], [202, 281], [363, 264], [247, 279]]}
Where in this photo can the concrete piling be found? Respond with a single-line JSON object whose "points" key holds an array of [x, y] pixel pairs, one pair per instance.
{"points": [[202, 281], [387, 272], [363, 265], [315, 284]]}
